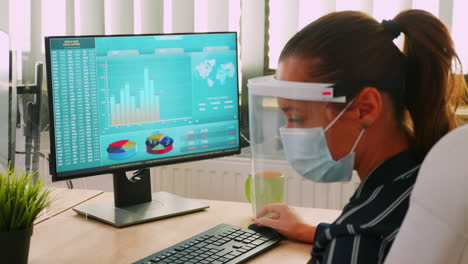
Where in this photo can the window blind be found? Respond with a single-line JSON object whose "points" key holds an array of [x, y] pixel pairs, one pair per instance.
{"points": [[31, 20], [289, 16]]}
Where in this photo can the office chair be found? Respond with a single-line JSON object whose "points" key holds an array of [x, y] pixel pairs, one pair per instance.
{"points": [[435, 229]]}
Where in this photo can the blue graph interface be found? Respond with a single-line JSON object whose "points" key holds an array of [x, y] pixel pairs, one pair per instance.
{"points": [[125, 100]]}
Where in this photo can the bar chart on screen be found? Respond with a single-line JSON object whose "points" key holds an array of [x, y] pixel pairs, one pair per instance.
{"points": [[143, 89], [132, 106]]}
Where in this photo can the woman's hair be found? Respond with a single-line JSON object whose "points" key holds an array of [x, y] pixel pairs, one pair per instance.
{"points": [[424, 82]]}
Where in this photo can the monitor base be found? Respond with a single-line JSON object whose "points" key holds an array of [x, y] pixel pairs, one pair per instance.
{"points": [[163, 205]]}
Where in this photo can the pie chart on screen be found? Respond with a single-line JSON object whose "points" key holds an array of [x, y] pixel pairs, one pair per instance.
{"points": [[122, 149], [159, 144]]}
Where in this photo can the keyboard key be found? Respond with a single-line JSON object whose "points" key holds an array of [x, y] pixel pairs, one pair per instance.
{"points": [[258, 242], [226, 252], [223, 259], [202, 244], [249, 246], [216, 249], [250, 231]]}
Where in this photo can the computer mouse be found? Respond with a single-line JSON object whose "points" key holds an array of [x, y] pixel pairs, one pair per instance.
{"points": [[266, 231]]}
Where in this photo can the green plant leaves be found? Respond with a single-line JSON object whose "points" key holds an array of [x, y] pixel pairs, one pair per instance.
{"points": [[21, 200]]}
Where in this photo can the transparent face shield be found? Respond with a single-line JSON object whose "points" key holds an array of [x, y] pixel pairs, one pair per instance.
{"points": [[287, 134]]}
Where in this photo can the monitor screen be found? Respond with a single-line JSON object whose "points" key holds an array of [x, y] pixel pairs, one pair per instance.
{"points": [[126, 102]]}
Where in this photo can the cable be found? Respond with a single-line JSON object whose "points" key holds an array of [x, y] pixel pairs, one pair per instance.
{"points": [[69, 184], [245, 138]]}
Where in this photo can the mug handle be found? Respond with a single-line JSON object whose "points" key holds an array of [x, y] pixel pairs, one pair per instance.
{"points": [[248, 189]]}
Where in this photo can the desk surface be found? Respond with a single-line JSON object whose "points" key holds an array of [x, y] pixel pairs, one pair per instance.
{"points": [[70, 238], [65, 200]]}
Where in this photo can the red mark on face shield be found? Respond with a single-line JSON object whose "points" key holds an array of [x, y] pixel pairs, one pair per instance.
{"points": [[326, 93]]}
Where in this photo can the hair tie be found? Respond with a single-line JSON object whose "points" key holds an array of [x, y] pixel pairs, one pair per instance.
{"points": [[393, 28]]}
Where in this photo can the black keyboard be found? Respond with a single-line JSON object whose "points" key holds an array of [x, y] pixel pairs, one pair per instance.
{"points": [[220, 244]]}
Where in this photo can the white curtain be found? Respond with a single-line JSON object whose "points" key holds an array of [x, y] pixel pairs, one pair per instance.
{"points": [[288, 16], [31, 20]]}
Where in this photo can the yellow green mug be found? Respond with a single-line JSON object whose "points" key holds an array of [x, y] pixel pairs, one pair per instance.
{"points": [[269, 188]]}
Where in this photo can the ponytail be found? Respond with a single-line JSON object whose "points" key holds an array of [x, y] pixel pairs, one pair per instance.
{"points": [[435, 85]]}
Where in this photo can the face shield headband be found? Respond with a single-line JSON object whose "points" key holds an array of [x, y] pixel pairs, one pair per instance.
{"points": [[310, 91]]}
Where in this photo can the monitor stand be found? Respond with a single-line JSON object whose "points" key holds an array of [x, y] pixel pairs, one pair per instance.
{"points": [[134, 203]]}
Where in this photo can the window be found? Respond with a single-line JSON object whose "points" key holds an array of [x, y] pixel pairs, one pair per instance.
{"points": [[286, 17]]}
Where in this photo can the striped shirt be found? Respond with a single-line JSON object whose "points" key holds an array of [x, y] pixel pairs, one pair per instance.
{"points": [[365, 230]]}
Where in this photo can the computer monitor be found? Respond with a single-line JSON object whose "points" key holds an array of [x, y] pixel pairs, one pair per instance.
{"points": [[129, 102]]}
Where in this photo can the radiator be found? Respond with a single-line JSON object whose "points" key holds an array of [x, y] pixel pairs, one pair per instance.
{"points": [[223, 179]]}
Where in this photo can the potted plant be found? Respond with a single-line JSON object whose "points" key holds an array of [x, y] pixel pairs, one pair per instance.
{"points": [[21, 200]]}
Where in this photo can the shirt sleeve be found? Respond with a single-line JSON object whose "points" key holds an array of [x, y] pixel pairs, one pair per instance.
{"points": [[364, 249], [320, 229]]}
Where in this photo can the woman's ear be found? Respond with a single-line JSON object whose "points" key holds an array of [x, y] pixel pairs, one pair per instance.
{"points": [[369, 105], [365, 109]]}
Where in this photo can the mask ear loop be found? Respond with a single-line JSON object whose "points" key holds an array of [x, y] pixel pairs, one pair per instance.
{"points": [[358, 139], [338, 116]]}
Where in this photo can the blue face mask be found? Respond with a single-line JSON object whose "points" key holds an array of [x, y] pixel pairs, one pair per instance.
{"points": [[307, 151]]}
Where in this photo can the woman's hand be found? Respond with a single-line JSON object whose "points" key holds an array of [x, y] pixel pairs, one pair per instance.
{"points": [[283, 219]]}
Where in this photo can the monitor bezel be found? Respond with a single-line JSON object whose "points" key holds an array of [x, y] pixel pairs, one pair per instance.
{"points": [[68, 175]]}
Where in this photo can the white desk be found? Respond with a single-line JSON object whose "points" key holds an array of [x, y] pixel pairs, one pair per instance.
{"points": [[70, 238]]}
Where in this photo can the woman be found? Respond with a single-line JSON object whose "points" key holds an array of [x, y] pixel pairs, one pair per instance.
{"points": [[398, 105]]}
